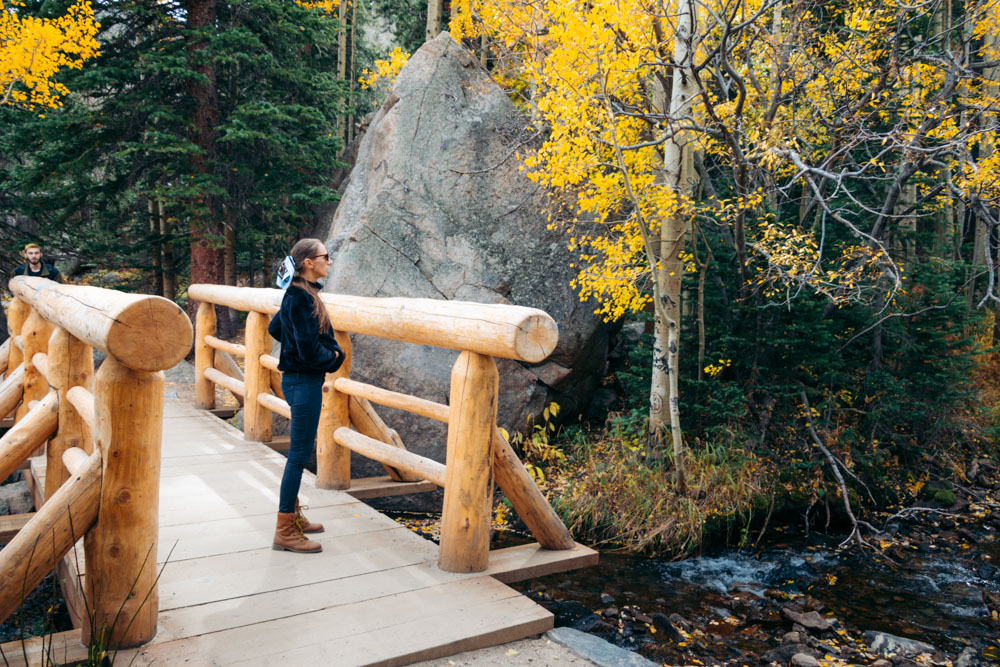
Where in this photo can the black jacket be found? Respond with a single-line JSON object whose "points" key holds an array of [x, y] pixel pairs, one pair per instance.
{"points": [[47, 271], [303, 348]]}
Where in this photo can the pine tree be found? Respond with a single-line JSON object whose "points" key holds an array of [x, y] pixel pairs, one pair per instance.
{"points": [[231, 117]]}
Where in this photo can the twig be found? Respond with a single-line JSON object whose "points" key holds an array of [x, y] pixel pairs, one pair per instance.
{"points": [[905, 514], [767, 521]]}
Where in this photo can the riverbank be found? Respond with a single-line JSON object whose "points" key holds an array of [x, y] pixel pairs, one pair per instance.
{"points": [[931, 580], [927, 591]]}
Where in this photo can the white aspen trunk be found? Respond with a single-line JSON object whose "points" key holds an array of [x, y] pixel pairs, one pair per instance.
{"points": [[663, 398], [905, 244], [776, 47], [944, 226], [434, 11], [342, 67]]}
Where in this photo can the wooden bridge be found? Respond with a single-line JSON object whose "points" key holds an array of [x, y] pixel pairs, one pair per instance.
{"points": [[158, 517]]}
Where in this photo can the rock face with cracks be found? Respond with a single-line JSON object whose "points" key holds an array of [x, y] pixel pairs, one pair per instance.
{"points": [[438, 207]]}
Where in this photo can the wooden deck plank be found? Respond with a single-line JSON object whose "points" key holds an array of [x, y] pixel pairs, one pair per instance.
{"points": [[529, 561], [429, 637], [291, 601], [252, 572], [64, 648], [385, 486], [324, 632], [11, 524], [258, 532]]}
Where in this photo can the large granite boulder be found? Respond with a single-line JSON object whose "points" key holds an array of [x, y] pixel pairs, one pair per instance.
{"points": [[438, 207]]}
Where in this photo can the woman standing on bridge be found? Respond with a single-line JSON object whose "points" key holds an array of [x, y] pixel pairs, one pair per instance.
{"points": [[308, 352]]}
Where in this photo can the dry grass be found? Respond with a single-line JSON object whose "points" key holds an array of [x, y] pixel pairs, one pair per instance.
{"points": [[615, 492]]}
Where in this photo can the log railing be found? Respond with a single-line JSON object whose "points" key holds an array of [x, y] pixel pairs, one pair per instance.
{"points": [[103, 435], [476, 454]]}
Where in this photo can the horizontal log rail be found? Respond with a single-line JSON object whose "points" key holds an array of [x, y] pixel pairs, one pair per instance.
{"points": [[11, 390], [275, 404], [223, 380], [27, 434], [365, 420], [51, 533], [377, 450], [393, 399], [145, 333], [225, 363], [5, 356], [234, 349], [83, 401], [76, 460], [496, 330], [476, 453], [41, 363]]}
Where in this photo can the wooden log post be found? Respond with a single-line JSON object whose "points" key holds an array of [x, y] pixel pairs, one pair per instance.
{"points": [[35, 338], [51, 533], [204, 356], [256, 418], [71, 364], [333, 461], [121, 547], [468, 491], [17, 313]]}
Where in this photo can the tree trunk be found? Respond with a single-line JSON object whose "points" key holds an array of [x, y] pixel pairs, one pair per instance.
{"points": [[154, 248], [169, 276], [353, 76], [663, 399], [434, 11], [342, 67], [206, 255], [229, 265]]}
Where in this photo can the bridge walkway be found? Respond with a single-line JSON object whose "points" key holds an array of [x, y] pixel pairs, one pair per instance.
{"points": [[374, 596]]}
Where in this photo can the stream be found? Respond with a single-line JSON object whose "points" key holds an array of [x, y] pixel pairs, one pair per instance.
{"points": [[728, 608]]}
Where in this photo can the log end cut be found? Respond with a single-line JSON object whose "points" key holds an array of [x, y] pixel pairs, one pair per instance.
{"points": [[537, 337], [151, 334]]}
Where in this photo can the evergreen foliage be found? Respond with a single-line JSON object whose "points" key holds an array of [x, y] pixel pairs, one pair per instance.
{"points": [[126, 134]]}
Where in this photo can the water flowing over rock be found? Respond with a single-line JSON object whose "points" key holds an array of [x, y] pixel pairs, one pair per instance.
{"points": [[438, 207]]}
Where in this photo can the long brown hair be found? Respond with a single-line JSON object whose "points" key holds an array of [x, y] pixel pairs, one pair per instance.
{"points": [[301, 251]]}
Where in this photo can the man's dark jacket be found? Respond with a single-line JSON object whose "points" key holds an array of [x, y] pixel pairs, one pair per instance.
{"points": [[303, 348], [47, 271]]}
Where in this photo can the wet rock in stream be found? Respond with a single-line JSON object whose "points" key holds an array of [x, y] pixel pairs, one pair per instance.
{"points": [[887, 645], [810, 620], [804, 660]]}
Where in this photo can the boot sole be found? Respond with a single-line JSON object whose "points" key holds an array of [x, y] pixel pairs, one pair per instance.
{"points": [[314, 532], [278, 547]]}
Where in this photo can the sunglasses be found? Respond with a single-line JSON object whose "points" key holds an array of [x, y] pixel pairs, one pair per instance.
{"points": [[325, 256]]}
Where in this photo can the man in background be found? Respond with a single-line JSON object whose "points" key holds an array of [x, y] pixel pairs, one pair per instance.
{"points": [[35, 266]]}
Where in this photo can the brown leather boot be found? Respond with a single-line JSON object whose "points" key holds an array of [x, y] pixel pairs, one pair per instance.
{"points": [[307, 525], [288, 536]]}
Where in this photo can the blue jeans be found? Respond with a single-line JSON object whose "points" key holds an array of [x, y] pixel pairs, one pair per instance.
{"points": [[304, 394]]}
